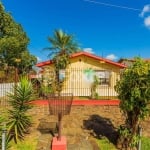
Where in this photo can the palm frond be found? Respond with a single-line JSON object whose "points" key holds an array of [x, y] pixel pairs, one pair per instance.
{"points": [[61, 41]]}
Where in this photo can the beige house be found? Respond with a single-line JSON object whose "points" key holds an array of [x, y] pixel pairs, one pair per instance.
{"points": [[80, 73]]}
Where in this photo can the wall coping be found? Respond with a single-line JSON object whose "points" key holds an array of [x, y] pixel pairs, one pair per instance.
{"points": [[83, 102]]}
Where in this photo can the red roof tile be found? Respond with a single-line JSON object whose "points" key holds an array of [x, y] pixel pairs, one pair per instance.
{"points": [[41, 64], [44, 63]]}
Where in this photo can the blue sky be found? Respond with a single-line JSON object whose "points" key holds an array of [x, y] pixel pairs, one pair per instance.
{"points": [[110, 28]]}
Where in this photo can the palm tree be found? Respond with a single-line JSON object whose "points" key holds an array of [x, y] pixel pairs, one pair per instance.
{"points": [[62, 46]]}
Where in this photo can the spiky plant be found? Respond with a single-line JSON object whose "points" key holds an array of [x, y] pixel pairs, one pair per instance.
{"points": [[19, 122]]}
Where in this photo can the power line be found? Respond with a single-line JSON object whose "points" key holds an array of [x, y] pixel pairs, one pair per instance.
{"points": [[112, 5]]}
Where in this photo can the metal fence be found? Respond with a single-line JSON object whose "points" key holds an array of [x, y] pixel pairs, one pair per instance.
{"points": [[7, 81], [79, 82], [60, 103], [5, 88]]}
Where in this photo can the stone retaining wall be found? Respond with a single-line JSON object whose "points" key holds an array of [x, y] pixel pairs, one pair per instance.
{"points": [[87, 122], [80, 113]]}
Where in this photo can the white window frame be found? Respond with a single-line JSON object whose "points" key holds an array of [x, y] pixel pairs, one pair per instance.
{"points": [[104, 77]]}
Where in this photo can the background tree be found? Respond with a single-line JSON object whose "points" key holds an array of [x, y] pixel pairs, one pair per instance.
{"points": [[62, 46], [13, 41], [134, 95], [27, 62]]}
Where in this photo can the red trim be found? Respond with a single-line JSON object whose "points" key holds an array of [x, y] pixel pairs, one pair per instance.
{"points": [[98, 58], [44, 63], [83, 102], [88, 55]]}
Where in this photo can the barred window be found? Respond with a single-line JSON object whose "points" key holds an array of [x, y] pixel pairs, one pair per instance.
{"points": [[104, 76]]}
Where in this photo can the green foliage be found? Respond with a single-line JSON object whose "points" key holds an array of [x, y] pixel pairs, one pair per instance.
{"points": [[13, 42], [13, 39], [145, 143], [19, 122], [45, 90], [94, 94], [125, 134], [123, 131], [26, 63], [27, 144], [134, 93], [104, 144], [7, 76], [63, 45]]}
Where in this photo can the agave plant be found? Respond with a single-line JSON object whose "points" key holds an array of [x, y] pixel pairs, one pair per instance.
{"points": [[19, 122]]}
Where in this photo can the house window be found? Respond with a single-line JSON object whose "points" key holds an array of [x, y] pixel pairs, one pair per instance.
{"points": [[104, 76]]}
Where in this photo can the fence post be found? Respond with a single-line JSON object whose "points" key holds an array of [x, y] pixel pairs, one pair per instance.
{"points": [[140, 135], [4, 139]]}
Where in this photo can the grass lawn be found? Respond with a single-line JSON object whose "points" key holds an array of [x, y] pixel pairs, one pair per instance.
{"points": [[145, 143], [30, 141], [104, 144], [27, 144]]}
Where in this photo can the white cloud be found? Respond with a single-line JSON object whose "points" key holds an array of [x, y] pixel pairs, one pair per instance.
{"points": [[145, 14], [145, 10], [38, 59], [147, 22], [111, 57], [89, 50]]}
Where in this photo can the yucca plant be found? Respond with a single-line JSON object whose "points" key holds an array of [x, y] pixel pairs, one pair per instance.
{"points": [[19, 122]]}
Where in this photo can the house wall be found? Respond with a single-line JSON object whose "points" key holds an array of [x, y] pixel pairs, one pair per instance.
{"points": [[77, 81], [78, 84]]}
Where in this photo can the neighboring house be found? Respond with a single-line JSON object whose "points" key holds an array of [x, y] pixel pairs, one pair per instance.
{"points": [[79, 75], [125, 61], [129, 62], [35, 76]]}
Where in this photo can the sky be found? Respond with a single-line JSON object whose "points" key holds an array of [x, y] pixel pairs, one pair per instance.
{"points": [[111, 29]]}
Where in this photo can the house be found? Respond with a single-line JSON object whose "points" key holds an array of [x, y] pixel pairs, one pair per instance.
{"points": [[125, 61], [79, 75], [128, 62]]}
